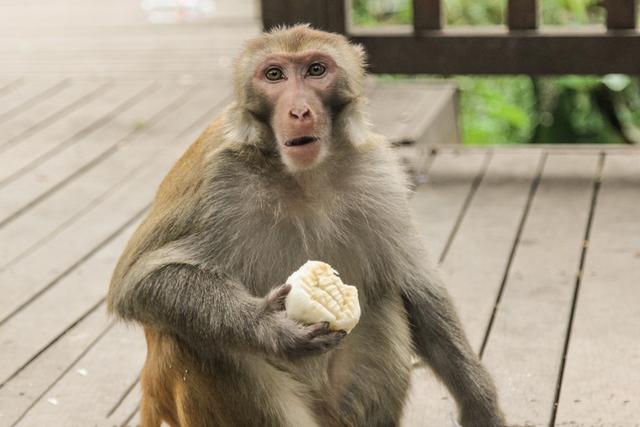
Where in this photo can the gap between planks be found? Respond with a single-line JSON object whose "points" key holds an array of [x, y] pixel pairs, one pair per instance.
{"points": [[132, 172], [11, 85], [78, 159], [523, 219], [474, 267], [130, 176], [108, 150], [78, 135], [576, 292], [196, 124], [526, 342], [55, 115], [194, 127], [24, 104]]}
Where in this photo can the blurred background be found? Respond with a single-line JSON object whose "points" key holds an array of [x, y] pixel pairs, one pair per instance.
{"points": [[190, 39], [521, 109]]}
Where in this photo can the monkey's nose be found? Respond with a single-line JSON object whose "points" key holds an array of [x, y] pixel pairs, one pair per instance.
{"points": [[301, 113]]}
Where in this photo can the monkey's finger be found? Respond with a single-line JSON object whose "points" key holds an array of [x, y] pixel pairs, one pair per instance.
{"points": [[275, 299], [328, 341], [317, 329], [318, 344], [281, 293]]}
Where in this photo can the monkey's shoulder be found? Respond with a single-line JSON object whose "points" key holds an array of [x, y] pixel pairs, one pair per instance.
{"points": [[187, 175]]}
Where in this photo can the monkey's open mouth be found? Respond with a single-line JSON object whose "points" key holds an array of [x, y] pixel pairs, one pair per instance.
{"points": [[303, 140]]}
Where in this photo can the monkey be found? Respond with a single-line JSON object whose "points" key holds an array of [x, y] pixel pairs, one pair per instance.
{"points": [[289, 171]]}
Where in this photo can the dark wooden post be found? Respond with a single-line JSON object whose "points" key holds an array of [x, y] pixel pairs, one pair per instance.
{"points": [[329, 15], [621, 14], [522, 14], [427, 15], [336, 17]]}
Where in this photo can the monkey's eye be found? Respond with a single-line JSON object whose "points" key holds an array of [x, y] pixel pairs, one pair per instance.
{"points": [[273, 74], [316, 69]]}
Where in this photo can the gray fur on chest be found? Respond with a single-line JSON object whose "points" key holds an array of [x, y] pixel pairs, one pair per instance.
{"points": [[268, 246], [266, 227]]}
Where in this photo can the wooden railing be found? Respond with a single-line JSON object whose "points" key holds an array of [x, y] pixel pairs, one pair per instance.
{"points": [[523, 47]]}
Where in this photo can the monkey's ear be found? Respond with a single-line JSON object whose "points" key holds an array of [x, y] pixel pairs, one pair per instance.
{"points": [[361, 53]]}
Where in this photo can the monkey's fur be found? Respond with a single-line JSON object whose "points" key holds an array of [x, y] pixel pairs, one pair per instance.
{"points": [[230, 223]]}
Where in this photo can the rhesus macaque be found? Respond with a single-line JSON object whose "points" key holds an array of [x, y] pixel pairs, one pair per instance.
{"points": [[289, 172]]}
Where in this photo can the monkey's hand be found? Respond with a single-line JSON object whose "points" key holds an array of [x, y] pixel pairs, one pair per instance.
{"points": [[287, 338]]}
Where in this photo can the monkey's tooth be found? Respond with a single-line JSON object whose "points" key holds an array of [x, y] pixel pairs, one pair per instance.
{"points": [[318, 295]]}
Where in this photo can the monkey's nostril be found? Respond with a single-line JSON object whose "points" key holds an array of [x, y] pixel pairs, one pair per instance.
{"points": [[300, 114]]}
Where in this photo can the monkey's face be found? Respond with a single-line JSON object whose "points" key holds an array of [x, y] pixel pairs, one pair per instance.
{"points": [[299, 89]]}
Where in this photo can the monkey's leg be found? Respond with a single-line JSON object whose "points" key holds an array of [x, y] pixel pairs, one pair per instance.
{"points": [[375, 397], [377, 363], [149, 416], [439, 339], [242, 390]]}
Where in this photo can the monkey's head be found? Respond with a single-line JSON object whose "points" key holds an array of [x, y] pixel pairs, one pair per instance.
{"points": [[299, 83]]}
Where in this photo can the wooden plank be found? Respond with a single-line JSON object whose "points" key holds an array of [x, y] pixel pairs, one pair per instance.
{"points": [[30, 384], [437, 204], [602, 372], [621, 14], [413, 116], [336, 15], [52, 312], [478, 259], [427, 15], [42, 267], [49, 316], [48, 111], [271, 13], [27, 95], [555, 148], [475, 266], [43, 218], [408, 112], [329, 15], [7, 86], [97, 271], [526, 52], [135, 421], [525, 346], [124, 410], [167, 65], [522, 14], [86, 394], [85, 286], [77, 157], [20, 158], [115, 13]]}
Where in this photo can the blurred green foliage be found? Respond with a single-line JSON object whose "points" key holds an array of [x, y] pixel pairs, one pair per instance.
{"points": [[521, 109]]}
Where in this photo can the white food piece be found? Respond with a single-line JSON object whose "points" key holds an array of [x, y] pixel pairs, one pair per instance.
{"points": [[318, 295]]}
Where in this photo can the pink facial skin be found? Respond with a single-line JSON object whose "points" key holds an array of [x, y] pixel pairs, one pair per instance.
{"points": [[295, 85]]}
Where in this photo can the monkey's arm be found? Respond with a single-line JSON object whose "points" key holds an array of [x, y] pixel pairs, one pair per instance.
{"points": [[440, 340], [162, 280], [207, 308]]}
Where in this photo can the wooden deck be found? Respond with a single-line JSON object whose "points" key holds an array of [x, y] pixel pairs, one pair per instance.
{"points": [[540, 246]]}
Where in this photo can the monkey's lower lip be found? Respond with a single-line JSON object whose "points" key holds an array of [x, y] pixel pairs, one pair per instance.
{"points": [[303, 140]]}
